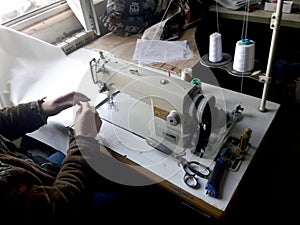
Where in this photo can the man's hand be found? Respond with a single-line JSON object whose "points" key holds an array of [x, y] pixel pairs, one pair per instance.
{"points": [[87, 120], [55, 106]]}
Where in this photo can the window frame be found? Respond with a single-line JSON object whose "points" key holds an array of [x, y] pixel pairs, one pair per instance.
{"points": [[51, 23], [37, 15]]}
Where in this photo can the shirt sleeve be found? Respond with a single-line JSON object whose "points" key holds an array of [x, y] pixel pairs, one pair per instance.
{"points": [[16, 121], [43, 197]]}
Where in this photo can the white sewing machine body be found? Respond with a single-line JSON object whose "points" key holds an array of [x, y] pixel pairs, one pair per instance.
{"points": [[152, 104]]}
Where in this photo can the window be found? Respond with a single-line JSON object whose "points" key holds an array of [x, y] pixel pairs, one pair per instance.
{"points": [[49, 20], [15, 11]]}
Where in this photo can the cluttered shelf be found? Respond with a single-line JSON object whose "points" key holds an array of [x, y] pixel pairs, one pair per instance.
{"points": [[258, 15]]}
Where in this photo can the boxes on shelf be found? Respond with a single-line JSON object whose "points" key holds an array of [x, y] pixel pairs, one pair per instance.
{"points": [[286, 7]]}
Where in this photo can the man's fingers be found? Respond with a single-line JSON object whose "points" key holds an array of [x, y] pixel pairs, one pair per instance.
{"points": [[87, 121], [79, 97], [73, 98], [98, 121], [85, 105]]}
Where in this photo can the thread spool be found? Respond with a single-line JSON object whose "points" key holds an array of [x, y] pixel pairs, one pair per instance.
{"points": [[215, 47], [187, 74], [244, 55]]}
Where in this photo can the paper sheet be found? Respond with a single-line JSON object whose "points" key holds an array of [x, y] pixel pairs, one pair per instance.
{"points": [[156, 51], [32, 69]]}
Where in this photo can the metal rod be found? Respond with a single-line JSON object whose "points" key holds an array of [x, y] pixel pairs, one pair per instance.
{"points": [[275, 25]]}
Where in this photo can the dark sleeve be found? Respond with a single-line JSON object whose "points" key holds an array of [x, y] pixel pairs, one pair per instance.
{"points": [[71, 189], [16, 121]]}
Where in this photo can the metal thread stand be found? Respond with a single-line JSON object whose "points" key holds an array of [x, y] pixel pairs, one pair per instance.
{"points": [[275, 25]]}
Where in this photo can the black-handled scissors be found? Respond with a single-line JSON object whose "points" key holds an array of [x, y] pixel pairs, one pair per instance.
{"points": [[192, 169]]}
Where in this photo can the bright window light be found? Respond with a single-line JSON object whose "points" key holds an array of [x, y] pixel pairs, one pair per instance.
{"points": [[11, 10]]}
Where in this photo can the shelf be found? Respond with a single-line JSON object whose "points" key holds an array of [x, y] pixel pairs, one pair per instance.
{"points": [[259, 16]]}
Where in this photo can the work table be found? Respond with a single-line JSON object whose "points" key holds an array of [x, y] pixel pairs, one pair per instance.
{"points": [[252, 118]]}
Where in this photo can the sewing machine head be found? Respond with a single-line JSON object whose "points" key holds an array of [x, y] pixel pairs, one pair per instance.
{"points": [[167, 109]]}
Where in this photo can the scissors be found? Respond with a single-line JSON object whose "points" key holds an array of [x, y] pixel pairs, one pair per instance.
{"points": [[192, 169]]}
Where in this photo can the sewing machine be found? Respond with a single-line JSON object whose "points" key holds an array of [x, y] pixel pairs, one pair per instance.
{"points": [[155, 105]]}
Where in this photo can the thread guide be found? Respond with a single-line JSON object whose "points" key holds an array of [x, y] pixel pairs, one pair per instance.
{"points": [[257, 75]]}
